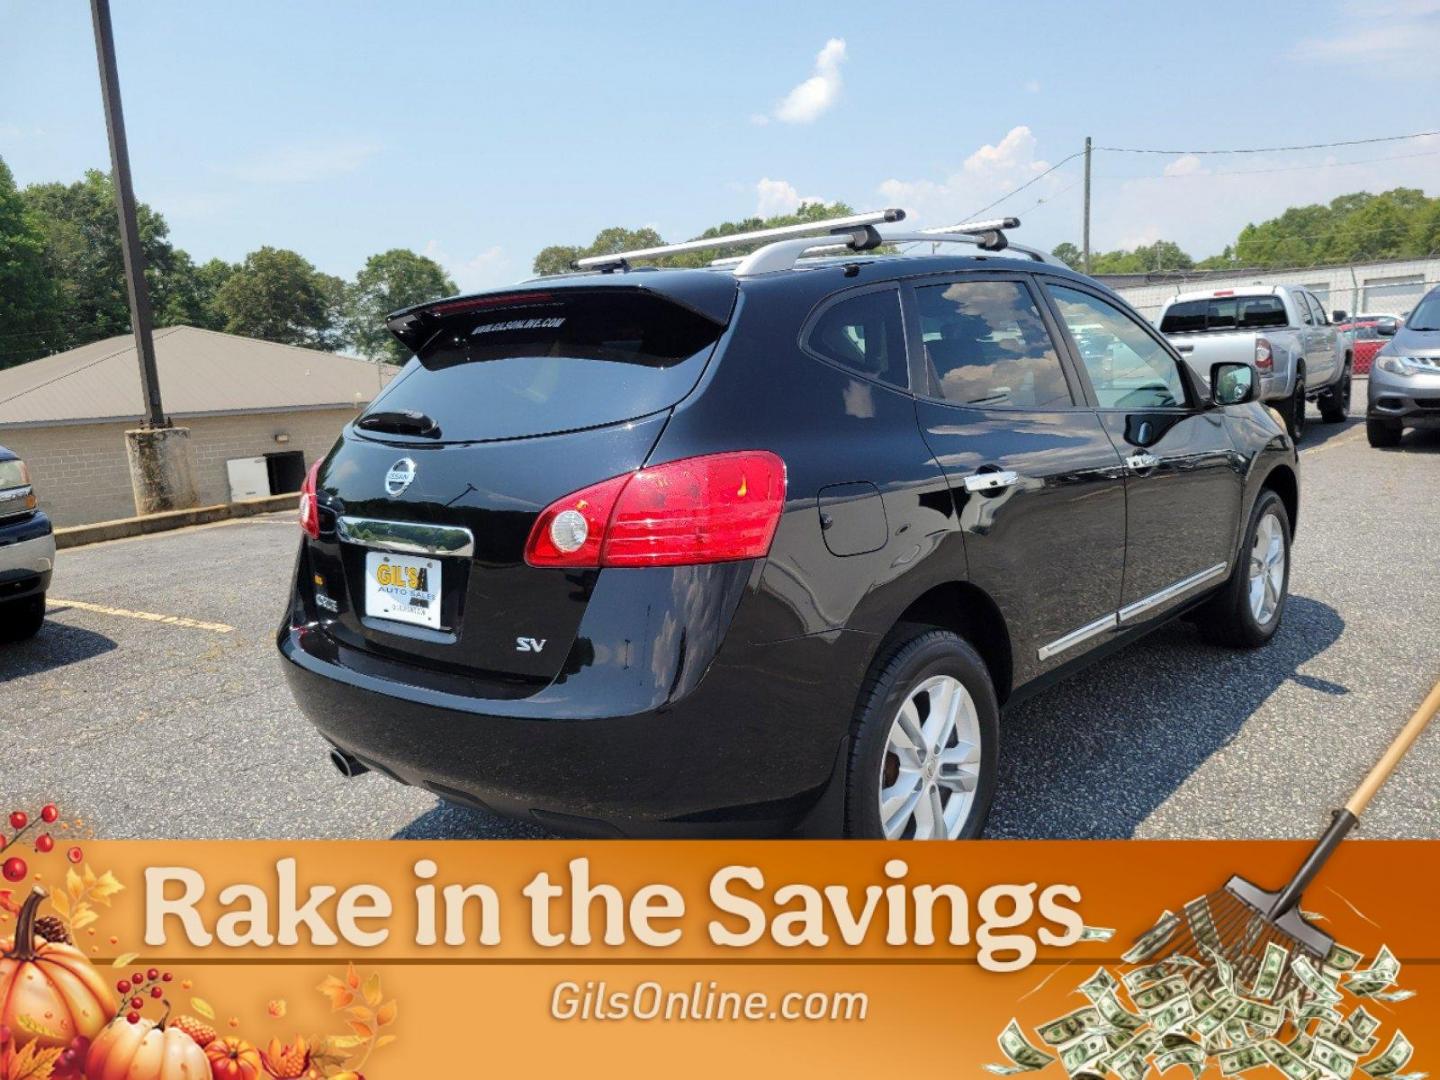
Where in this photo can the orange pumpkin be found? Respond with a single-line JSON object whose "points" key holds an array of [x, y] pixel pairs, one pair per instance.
{"points": [[145, 1051], [233, 1059], [49, 984]]}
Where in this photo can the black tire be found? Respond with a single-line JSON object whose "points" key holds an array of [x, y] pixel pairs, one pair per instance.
{"points": [[900, 670], [1295, 410], [1383, 434], [1229, 619], [1335, 404], [21, 619]]}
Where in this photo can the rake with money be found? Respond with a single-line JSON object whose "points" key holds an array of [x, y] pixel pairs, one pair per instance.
{"points": [[1263, 937]]}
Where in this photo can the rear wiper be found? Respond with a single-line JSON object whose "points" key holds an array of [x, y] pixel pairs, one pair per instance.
{"points": [[400, 422]]}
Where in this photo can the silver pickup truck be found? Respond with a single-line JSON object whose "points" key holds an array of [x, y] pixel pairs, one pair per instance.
{"points": [[1283, 330]]}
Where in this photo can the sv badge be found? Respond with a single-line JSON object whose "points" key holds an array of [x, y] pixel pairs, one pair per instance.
{"points": [[530, 644]]}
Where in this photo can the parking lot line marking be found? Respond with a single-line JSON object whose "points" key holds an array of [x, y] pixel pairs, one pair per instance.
{"points": [[144, 616]]}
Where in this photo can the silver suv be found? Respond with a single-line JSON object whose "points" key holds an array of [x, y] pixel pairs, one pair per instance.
{"points": [[1405, 379], [27, 552]]}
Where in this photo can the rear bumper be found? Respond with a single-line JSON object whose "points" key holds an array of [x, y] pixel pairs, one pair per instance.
{"points": [[755, 749], [27, 557]]}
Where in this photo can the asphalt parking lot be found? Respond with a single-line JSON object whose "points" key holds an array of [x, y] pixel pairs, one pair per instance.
{"points": [[183, 728]]}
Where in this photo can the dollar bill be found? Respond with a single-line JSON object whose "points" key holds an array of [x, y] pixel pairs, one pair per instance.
{"points": [[1391, 996], [1361, 1022], [1381, 973], [1287, 1061], [1191, 1056], [1097, 933], [1102, 982], [1332, 1059], [1083, 1052], [1346, 1037], [1266, 1017], [1302, 1044], [1173, 1015], [1342, 959], [1396, 1056], [1162, 993], [1272, 966], [1313, 981], [1153, 940], [1223, 971], [1023, 1057], [1069, 1027], [1115, 1014], [1241, 1059], [1214, 1018], [1148, 973]]}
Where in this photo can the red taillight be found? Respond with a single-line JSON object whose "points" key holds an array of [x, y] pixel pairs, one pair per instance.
{"points": [[697, 510], [309, 507], [1263, 358]]}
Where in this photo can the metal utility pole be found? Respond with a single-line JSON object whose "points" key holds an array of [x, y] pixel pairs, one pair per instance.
{"points": [[1086, 245], [140, 317]]}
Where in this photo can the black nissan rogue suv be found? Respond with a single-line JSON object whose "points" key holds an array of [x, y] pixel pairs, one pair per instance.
{"points": [[765, 548]]}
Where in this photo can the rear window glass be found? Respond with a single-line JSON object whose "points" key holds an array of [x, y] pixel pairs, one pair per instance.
{"points": [[553, 362], [863, 333], [1224, 313]]}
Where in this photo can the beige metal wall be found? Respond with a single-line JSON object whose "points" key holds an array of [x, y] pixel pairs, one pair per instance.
{"points": [[80, 472]]}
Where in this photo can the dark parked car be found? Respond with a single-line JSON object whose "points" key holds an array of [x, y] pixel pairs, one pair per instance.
{"points": [[27, 552], [766, 548]]}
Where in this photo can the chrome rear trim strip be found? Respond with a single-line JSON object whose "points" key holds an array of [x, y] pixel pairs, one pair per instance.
{"points": [[1170, 592], [1075, 637], [406, 537]]}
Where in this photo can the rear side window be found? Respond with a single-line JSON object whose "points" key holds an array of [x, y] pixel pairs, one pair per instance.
{"points": [[987, 346], [1224, 313], [864, 334], [548, 362]]}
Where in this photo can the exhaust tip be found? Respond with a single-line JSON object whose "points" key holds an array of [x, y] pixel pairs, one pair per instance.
{"points": [[347, 765]]}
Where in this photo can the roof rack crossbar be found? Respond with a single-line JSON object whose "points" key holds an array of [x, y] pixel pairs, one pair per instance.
{"points": [[859, 226], [987, 235]]}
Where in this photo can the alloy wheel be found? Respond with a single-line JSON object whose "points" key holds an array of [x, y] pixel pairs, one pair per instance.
{"points": [[931, 768], [1267, 569]]}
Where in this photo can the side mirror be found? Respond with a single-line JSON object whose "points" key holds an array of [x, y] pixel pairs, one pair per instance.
{"points": [[1232, 384], [1339, 316], [1386, 329]]}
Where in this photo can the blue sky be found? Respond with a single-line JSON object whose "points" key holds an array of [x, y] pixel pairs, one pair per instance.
{"points": [[482, 132]]}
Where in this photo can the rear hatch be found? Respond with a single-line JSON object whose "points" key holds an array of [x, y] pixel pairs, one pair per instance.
{"points": [[514, 400]]}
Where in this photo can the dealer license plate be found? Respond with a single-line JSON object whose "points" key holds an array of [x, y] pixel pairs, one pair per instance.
{"points": [[405, 588]]}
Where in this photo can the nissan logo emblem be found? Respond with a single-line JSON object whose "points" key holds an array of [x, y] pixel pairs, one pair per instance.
{"points": [[400, 476]]}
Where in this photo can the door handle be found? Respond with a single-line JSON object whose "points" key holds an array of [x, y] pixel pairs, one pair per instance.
{"points": [[1141, 461], [983, 482]]}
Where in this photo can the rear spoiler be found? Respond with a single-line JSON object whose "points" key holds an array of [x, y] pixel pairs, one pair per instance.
{"points": [[709, 295]]}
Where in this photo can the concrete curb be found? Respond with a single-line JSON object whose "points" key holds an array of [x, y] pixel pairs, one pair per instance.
{"points": [[78, 535]]}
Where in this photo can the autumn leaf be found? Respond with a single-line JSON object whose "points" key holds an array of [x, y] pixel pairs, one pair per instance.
{"points": [[344, 1042], [33, 1063], [35, 1027], [105, 887], [352, 977], [361, 1013], [203, 1007], [365, 1031], [339, 994], [384, 1040], [386, 1013], [124, 959], [372, 989], [73, 884], [83, 917]]}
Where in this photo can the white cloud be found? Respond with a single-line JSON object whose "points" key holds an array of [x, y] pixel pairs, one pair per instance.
{"points": [[814, 96], [486, 270], [984, 176], [300, 163], [774, 197], [1185, 165], [1400, 34]]}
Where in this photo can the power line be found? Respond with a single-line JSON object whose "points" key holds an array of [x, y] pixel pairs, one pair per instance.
{"points": [[1280, 169], [1271, 149], [1033, 180]]}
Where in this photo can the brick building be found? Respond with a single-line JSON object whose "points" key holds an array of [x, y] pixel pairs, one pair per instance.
{"points": [[241, 398]]}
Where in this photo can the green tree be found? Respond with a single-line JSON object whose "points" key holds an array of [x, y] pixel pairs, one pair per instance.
{"points": [[278, 295], [559, 258], [392, 280], [190, 299], [26, 284], [1161, 255], [82, 248], [1069, 254]]}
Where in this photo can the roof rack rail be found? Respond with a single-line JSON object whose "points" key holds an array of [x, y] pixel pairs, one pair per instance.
{"points": [[987, 235], [858, 228]]}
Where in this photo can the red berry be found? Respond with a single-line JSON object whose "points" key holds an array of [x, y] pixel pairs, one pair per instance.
{"points": [[152, 974], [74, 855], [137, 1003], [49, 812], [15, 869], [133, 1017], [44, 843], [157, 992], [166, 977], [123, 986], [19, 819]]}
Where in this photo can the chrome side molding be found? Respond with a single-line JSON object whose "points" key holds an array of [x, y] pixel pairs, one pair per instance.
{"points": [[406, 537], [1130, 611]]}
